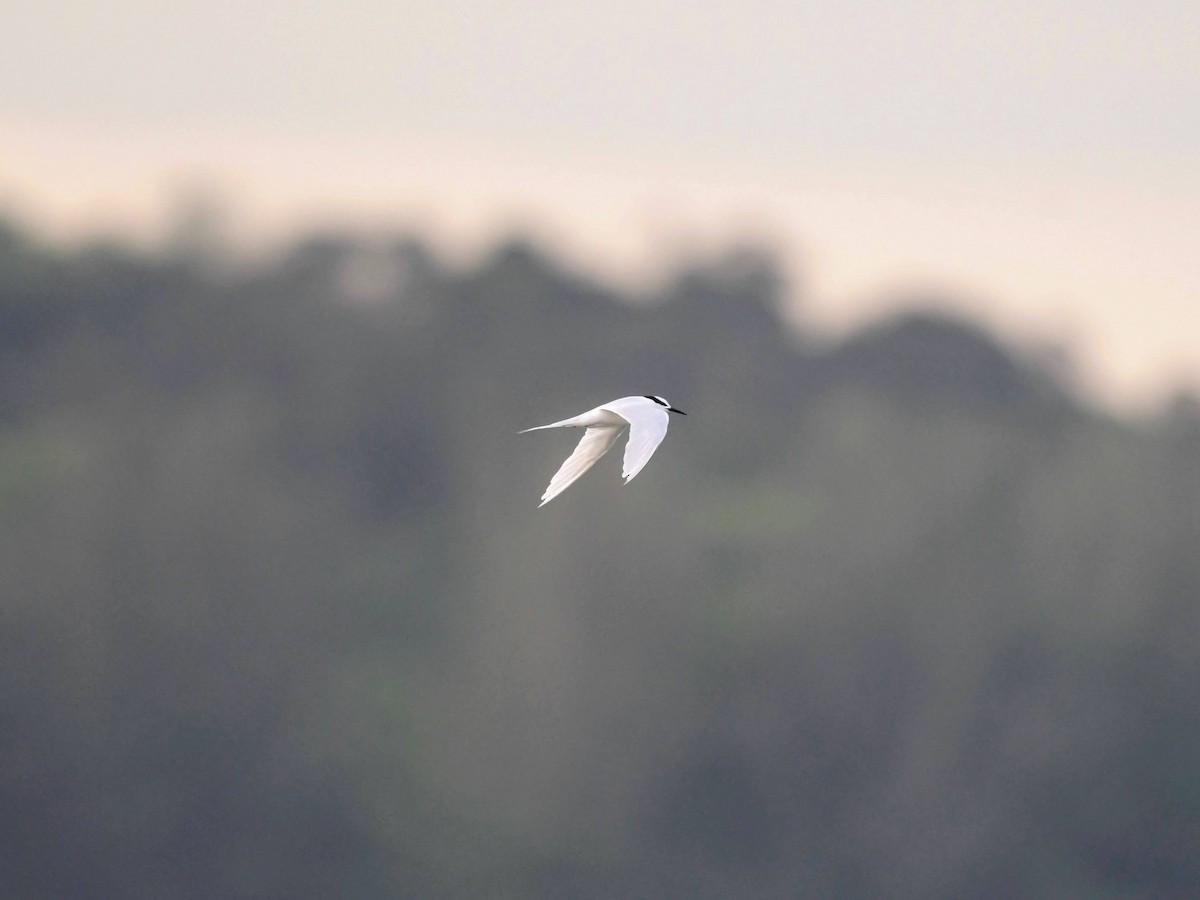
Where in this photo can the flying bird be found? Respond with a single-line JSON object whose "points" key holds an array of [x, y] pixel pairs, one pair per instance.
{"points": [[645, 417]]}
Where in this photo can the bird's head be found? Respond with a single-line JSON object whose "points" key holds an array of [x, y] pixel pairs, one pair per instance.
{"points": [[661, 401]]}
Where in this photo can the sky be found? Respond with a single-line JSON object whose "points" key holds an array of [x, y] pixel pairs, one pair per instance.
{"points": [[1031, 165]]}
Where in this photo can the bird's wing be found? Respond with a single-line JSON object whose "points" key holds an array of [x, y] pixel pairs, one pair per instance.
{"points": [[595, 443], [647, 427]]}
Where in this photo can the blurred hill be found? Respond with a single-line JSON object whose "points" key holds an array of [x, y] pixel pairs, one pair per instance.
{"points": [[279, 618]]}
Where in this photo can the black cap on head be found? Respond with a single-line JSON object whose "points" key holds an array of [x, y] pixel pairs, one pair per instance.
{"points": [[662, 402]]}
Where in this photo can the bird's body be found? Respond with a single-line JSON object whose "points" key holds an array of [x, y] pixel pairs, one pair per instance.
{"points": [[645, 417]]}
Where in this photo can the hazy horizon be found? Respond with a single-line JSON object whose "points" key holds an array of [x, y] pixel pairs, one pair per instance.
{"points": [[1033, 167]]}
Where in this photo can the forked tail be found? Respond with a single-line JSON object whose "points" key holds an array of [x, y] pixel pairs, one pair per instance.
{"points": [[565, 423]]}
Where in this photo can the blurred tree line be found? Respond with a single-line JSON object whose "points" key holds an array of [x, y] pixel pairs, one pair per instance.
{"points": [[279, 617]]}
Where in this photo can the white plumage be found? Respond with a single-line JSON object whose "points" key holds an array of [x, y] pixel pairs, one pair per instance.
{"points": [[645, 417]]}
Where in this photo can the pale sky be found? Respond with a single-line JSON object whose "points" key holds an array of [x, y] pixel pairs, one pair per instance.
{"points": [[1037, 162]]}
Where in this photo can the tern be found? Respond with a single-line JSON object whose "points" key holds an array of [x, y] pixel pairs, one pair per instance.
{"points": [[645, 417]]}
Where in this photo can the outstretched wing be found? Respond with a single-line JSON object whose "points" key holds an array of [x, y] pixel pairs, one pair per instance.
{"points": [[595, 443], [647, 428]]}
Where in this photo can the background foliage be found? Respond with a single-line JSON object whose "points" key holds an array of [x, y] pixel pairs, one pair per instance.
{"points": [[279, 618]]}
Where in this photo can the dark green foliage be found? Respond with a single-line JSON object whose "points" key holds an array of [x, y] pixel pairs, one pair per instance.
{"points": [[279, 616]]}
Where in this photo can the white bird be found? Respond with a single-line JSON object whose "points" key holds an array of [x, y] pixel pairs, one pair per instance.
{"points": [[645, 417]]}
